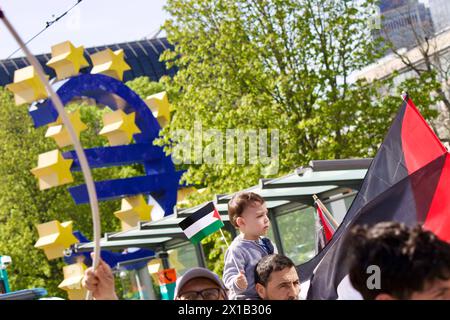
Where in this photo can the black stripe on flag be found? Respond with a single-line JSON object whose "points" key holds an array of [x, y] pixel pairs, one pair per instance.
{"points": [[200, 213]]}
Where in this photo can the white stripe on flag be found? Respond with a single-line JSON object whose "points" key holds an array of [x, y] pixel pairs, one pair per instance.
{"points": [[200, 224]]}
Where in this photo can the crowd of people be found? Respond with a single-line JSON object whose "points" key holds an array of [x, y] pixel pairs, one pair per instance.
{"points": [[413, 263]]}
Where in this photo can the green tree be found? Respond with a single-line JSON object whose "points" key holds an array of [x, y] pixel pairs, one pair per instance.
{"points": [[280, 65]]}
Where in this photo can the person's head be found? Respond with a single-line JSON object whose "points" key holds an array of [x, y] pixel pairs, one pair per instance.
{"points": [[248, 213], [200, 284], [276, 278], [413, 263]]}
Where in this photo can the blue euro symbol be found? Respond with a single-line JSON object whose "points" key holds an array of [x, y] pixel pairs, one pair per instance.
{"points": [[161, 180]]}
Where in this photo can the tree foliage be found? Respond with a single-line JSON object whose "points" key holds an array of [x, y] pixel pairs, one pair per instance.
{"points": [[286, 65], [280, 65]]}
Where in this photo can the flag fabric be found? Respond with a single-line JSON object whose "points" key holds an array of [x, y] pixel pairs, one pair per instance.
{"points": [[320, 238], [324, 229], [327, 226], [408, 181], [202, 223]]}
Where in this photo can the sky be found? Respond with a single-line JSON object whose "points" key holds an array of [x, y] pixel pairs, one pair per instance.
{"points": [[90, 23]]}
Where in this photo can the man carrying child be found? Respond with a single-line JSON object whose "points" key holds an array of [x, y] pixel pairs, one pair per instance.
{"points": [[248, 213]]}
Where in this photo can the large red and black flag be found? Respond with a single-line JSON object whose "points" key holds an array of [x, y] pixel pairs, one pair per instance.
{"points": [[408, 181]]}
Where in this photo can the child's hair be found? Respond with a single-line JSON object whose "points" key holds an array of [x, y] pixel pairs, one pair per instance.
{"points": [[239, 202]]}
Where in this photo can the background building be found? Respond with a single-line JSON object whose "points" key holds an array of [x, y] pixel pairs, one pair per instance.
{"points": [[440, 13], [440, 53], [403, 22], [142, 56]]}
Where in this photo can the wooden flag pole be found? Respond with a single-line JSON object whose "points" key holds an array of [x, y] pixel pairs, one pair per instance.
{"points": [[326, 212], [226, 242], [223, 237]]}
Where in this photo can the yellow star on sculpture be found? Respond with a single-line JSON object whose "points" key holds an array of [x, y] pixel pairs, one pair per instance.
{"points": [[53, 170], [59, 132], [110, 63], [54, 238], [133, 210], [67, 60], [27, 87], [160, 107], [73, 275], [119, 127]]}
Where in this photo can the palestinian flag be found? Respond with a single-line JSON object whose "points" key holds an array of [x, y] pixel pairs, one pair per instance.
{"points": [[408, 182], [202, 223]]}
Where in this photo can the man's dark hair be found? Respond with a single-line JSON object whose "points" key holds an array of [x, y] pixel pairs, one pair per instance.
{"points": [[408, 258], [269, 264]]}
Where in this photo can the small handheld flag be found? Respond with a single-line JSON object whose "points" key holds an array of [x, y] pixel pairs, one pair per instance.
{"points": [[325, 225], [202, 223], [326, 219]]}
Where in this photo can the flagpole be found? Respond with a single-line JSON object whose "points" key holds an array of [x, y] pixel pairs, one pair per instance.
{"points": [[325, 210], [405, 96], [226, 242], [223, 237]]}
